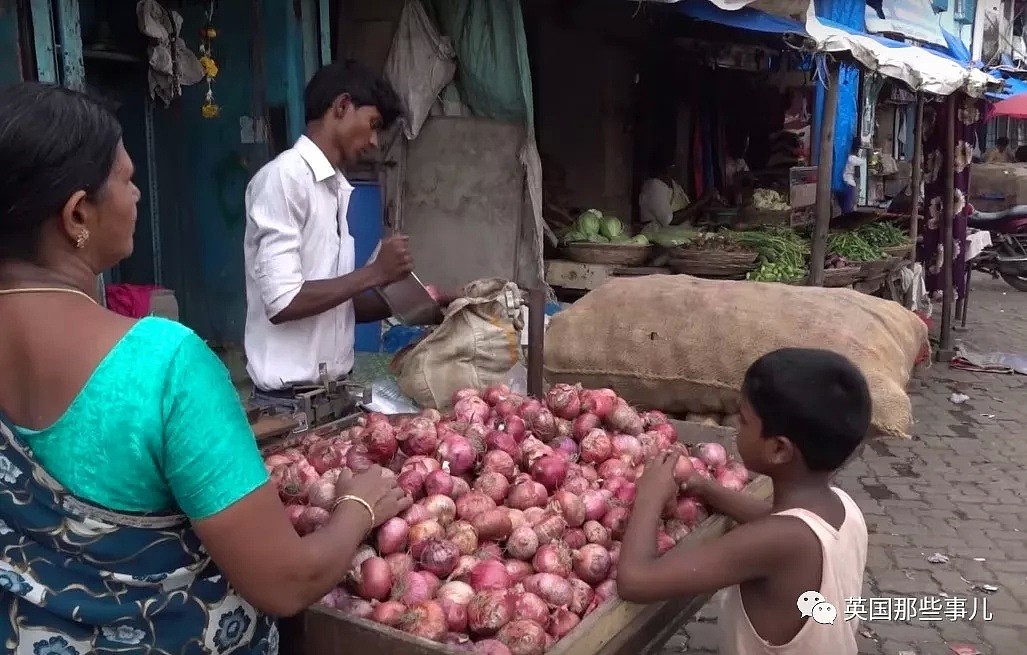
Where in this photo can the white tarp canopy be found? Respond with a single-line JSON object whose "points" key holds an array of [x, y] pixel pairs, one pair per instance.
{"points": [[919, 68]]}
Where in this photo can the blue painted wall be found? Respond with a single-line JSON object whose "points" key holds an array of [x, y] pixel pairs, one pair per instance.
{"points": [[203, 225], [365, 226], [10, 58]]}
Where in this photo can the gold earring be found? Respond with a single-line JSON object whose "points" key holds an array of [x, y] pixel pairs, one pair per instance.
{"points": [[80, 240]]}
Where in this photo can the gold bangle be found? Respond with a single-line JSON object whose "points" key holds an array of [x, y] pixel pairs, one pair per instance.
{"points": [[341, 499]]}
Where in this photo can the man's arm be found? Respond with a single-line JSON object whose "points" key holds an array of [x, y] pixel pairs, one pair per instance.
{"points": [[276, 208], [369, 308]]}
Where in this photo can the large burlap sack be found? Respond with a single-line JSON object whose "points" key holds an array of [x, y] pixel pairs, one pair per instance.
{"points": [[682, 344], [476, 345]]}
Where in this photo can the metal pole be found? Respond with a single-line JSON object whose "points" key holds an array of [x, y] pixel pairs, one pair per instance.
{"points": [[918, 172], [945, 349], [536, 336], [824, 176]]}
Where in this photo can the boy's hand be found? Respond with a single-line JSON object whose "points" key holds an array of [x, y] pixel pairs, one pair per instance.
{"points": [[657, 484]]}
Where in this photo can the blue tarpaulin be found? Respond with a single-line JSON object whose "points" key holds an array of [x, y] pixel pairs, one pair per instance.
{"points": [[752, 20], [1014, 86], [848, 16]]}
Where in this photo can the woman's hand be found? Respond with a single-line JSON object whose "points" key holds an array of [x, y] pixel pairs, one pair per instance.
{"points": [[378, 487]]}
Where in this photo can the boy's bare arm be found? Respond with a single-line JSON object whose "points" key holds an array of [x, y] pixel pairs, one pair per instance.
{"points": [[739, 506], [751, 551]]}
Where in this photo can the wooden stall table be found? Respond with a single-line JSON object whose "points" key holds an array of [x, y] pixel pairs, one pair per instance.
{"points": [[616, 628]]}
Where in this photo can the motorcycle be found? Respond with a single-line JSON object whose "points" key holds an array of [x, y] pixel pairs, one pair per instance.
{"points": [[1007, 256]]}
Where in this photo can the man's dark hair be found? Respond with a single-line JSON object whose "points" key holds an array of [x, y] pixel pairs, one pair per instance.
{"points": [[816, 398], [364, 87], [1002, 142], [54, 142]]}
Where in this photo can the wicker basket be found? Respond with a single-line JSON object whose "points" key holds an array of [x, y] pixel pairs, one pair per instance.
{"points": [[712, 263], [898, 251], [602, 253], [842, 277], [877, 268]]}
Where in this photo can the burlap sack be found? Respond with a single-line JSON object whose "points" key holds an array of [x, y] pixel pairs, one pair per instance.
{"points": [[682, 344], [476, 345]]}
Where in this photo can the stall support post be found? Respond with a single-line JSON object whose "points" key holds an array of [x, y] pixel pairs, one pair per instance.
{"points": [[536, 335], [825, 172], [945, 352], [918, 172]]}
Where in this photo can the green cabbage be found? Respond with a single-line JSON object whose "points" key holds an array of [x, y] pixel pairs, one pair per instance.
{"points": [[574, 235], [589, 222], [611, 227], [639, 240]]}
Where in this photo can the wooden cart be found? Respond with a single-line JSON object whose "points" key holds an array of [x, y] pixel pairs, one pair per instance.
{"points": [[616, 628]]}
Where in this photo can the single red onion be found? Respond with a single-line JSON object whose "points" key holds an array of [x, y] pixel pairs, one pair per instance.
{"points": [[551, 588], [598, 401], [553, 558], [616, 521], [388, 613], [625, 420], [596, 533], [400, 564], [489, 574], [525, 495], [550, 471], [575, 538], [425, 620], [439, 557], [376, 579], [392, 536], [518, 570], [493, 484], [596, 446], [570, 506], [551, 529], [596, 504], [488, 611], [499, 461], [523, 637], [471, 504], [438, 482], [582, 596], [529, 606], [585, 424], [493, 524], [592, 563], [712, 454], [411, 589], [458, 452], [463, 534], [562, 622], [523, 543]]}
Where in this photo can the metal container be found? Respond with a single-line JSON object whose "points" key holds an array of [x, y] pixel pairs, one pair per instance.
{"points": [[410, 302]]}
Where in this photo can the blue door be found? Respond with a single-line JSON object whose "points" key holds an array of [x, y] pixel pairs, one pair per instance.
{"points": [[365, 219]]}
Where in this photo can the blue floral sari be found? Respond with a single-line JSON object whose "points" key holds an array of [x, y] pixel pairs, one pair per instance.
{"points": [[76, 578]]}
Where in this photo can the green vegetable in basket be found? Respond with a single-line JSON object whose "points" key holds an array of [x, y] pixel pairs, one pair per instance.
{"points": [[883, 234], [573, 236], [853, 247], [589, 222], [671, 237], [611, 227], [639, 240], [598, 238]]}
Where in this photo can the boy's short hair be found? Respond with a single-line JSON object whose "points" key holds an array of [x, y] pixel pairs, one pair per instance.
{"points": [[816, 398], [364, 87]]}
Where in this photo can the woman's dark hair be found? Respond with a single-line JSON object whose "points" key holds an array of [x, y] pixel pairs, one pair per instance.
{"points": [[364, 87], [816, 398], [54, 142]]}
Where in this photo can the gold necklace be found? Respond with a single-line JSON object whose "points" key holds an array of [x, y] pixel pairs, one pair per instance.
{"points": [[11, 292]]}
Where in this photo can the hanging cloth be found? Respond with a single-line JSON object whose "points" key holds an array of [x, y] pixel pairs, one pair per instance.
{"points": [[172, 64]]}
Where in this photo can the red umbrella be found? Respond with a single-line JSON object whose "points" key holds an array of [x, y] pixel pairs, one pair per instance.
{"points": [[1013, 107]]}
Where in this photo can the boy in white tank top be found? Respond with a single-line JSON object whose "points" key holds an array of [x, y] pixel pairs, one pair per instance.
{"points": [[789, 566]]}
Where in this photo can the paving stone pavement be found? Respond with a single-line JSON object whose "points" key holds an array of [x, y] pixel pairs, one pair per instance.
{"points": [[955, 489]]}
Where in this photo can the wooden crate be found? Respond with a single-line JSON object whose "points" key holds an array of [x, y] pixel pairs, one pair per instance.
{"points": [[616, 628]]}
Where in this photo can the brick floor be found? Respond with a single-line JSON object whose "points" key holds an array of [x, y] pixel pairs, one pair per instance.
{"points": [[955, 489]]}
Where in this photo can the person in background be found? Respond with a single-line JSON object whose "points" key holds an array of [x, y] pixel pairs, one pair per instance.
{"points": [[136, 514], [804, 413], [662, 202], [736, 160], [1001, 153], [1021, 155], [849, 196], [304, 293]]}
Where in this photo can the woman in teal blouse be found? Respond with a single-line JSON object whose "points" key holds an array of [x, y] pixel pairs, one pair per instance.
{"points": [[135, 511]]}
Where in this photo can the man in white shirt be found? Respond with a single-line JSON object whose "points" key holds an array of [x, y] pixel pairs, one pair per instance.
{"points": [[304, 293], [662, 202]]}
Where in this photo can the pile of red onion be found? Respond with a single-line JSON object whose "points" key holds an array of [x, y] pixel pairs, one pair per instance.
{"points": [[520, 506]]}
